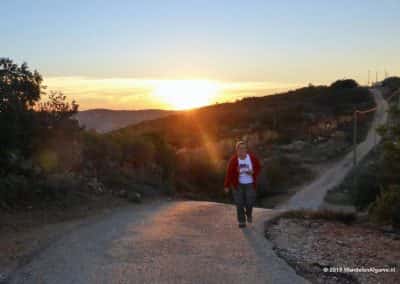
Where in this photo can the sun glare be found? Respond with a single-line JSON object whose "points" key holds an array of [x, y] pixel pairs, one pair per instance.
{"points": [[186, 94]]}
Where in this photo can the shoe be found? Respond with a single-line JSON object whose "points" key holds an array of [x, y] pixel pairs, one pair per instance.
{"points": [[242, 225]]}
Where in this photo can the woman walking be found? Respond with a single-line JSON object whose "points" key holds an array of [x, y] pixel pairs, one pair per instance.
{"points": [[241, 176]]}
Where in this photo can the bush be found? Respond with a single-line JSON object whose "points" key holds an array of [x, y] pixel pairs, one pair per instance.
{"points": [[386, 208], [22, 191], [197, 175], [366, 186], [61, 184], [12, 189], [283, 172], [393, 83], [343, 217], [344, 84]]}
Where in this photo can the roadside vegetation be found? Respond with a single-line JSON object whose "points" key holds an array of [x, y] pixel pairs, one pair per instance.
{"points": [[374, 186], [343, 217], [47, 159]]}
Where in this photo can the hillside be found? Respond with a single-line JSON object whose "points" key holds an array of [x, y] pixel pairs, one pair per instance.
{"points": [[105, 120], [291, 132], [304, 113]]}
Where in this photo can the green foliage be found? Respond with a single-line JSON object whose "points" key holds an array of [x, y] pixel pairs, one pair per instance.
{"points": [[30, 124], [366, 186], [288, 114], [278, 170], [17, 190], [393, 83], [12, 189], [386, 208], [344, 84], [20, 89], [197, 175], [58, 186], [40, 131], [39, 138]]}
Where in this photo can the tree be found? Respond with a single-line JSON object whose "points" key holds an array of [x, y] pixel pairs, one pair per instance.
{"points": [[20, 90], [344, 84], [393, 83], [386, 208], [56, 131]]}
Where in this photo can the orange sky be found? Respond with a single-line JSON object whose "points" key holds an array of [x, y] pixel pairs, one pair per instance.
{"points": [[125, 93]]}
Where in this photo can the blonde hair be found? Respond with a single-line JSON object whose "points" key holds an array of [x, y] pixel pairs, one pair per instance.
{"points": [[240, 143]]}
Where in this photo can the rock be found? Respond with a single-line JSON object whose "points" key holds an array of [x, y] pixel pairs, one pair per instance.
{"points": [[122, 193], [296, 146], [2, 277], [135, 197], [96, 185]]}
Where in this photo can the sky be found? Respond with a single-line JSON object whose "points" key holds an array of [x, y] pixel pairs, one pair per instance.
{"points": [[129, 54]]}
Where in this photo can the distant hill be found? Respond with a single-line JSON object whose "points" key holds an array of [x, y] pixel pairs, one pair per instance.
{"points": [[292, 115], [105, 120]]}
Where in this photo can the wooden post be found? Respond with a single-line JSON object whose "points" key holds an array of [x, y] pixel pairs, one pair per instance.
{"points": [[398, 102], [355, 137], [275, 122]]}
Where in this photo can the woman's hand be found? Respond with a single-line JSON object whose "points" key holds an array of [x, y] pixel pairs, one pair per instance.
{"points": [[226, 189]]}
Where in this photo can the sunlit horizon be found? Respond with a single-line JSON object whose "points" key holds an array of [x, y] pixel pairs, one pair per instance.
{"points": [[166, 94], [185, 54]]}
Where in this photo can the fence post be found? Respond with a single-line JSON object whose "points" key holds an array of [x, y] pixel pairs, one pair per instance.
{"points": [[355, 137], [398, 102]]}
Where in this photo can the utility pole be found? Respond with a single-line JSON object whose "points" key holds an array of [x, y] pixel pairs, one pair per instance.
{"points": [[369, 75], [398, 102], [355, 138]]}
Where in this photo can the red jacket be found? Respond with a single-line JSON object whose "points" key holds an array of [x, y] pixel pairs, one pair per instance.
{"points": [[232, 172]]}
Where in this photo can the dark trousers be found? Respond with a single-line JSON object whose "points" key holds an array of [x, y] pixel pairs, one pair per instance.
{"points": [[244, 197]]}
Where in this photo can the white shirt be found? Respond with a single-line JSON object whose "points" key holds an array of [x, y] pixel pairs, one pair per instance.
{"points": [[244, 166]]}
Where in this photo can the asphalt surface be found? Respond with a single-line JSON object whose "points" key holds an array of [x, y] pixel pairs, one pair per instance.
{"points": [[180, 241], [162, 242], [311, 196]]}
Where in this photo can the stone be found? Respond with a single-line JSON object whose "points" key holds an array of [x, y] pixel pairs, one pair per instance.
{"points": [[96, 185], [135, 197], [122, 193]]}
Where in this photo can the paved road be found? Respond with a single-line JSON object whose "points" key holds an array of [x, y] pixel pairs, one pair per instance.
{"points": [[162, 242], [311, 196], [178, 242]]}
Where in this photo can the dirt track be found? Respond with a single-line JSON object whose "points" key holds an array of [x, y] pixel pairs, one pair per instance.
{"points": [[311, 195]]}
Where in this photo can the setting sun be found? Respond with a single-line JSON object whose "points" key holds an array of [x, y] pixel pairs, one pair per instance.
{"points": [[186, 94]]}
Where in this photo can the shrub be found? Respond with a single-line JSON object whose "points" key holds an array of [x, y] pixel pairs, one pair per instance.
{"points": [[386, 208], [392, 83], [343, 217], [366, 186], [197, 174], [12, 189], [344, 84], [282, 172]]}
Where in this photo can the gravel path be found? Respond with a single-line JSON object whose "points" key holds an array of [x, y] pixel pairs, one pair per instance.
{"points": [[311, 195]]}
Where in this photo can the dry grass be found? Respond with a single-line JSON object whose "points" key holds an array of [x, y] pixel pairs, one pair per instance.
{"points": [[343, 217]]}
